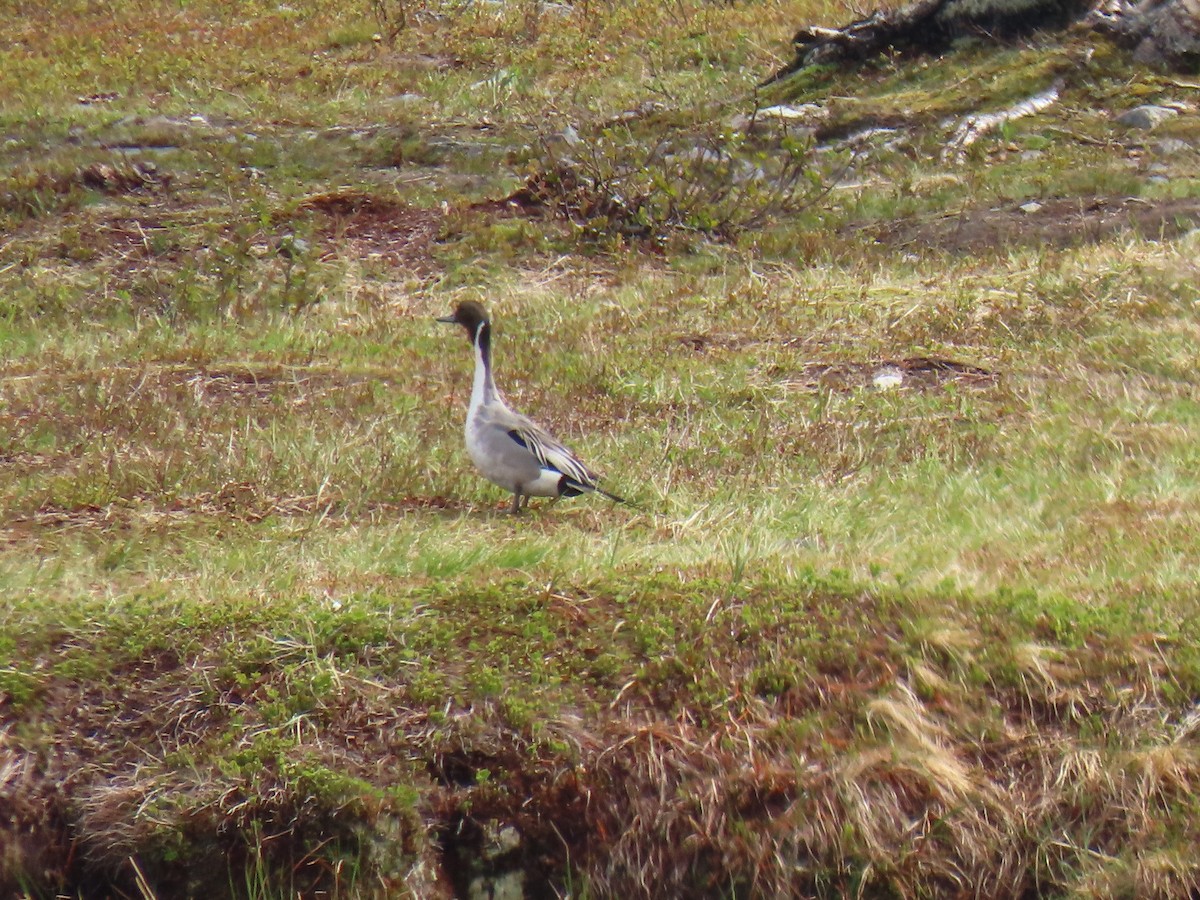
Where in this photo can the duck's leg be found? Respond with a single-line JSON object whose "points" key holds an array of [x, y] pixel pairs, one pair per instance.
{"points": [[516, 507]]}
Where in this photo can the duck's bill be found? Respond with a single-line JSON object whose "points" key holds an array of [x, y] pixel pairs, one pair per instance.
{"points": [[446, 320]]}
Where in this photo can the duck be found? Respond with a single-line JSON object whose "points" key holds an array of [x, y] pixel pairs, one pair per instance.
{"points": [[509, 449]]}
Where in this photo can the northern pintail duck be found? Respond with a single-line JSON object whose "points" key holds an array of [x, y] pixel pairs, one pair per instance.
{"points": [[508, 448]]}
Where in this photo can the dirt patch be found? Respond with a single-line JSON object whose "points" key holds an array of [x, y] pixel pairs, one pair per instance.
{"points": [[535, 198], [1065, 222], [916, 372], [921, 372], [239, 501], [130, 242], [239, 384], [360, 225]]}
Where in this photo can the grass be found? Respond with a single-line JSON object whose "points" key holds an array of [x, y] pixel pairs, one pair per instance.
{"points": [[264, 633]]}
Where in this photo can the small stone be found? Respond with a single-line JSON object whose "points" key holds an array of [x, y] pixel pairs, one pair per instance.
{"points": [[888, 377], [507, 839], [1030, 208], [291, 246], [704, 155], [1146, 117], [643, 109], [499, 840], [506, 886], [571, 137], [1171, 146]]}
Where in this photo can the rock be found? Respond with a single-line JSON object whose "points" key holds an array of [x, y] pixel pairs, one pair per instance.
{"points": [[1171, 146], [291, 247], [500, 840], [705, 155], [508, 886], [1146, 117], [888, 377], [1030, 208], [641, 111], [1163, 33], [570, 136]]}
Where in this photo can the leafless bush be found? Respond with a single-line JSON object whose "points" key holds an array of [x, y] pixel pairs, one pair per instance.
{"points": [[615, 186], [392, 16]]}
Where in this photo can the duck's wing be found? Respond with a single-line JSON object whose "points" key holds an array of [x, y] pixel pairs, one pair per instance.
{"points": [[550, 452]]}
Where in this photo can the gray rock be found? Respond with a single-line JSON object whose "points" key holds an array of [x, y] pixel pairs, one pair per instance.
{"points": [[888, 377], [500, 840], [507, 886], [571, 137], [291, 247], [1146, 117], [1171, 146], [643, 109]]}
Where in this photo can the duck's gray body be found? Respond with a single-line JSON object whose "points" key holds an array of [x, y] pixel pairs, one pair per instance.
{"points": [[509, 449]]}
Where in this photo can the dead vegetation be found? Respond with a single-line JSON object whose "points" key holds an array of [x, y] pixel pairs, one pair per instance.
{"points": [[1056, 223], [360, 226], [833, 780]]}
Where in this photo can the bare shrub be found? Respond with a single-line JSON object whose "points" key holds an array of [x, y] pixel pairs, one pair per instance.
{"points": [[615, 185]]}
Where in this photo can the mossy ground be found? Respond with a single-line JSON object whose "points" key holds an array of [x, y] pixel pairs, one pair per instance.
{"points": [[263, 631]]}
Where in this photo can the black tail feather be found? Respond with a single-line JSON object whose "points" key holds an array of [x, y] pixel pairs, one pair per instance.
{"points": [[605, 493], [569, 487]]}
